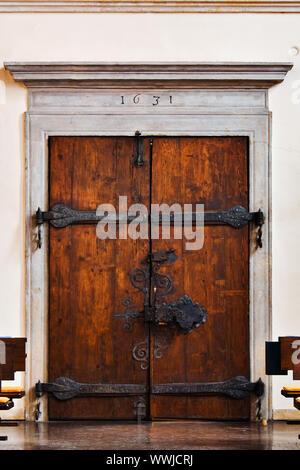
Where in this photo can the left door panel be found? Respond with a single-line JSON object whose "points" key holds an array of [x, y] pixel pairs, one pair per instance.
{"points": [[89, 278]]}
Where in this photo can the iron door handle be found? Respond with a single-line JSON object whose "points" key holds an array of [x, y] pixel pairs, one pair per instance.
{"points": [[183, 313]]}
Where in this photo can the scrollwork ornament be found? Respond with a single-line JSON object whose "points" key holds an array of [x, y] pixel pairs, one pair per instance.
{"points": [[140, 353]]}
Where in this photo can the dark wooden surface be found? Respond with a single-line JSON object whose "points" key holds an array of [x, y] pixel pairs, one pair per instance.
{"points": [[212, 171], [89, 277], [291, 393], [15, 357]]}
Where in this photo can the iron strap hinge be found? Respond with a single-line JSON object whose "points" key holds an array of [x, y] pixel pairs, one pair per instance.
{"points": [[64, 388], [238, 387], [61, 216]]}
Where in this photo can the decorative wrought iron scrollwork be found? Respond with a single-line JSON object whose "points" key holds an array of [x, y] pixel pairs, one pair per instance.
{"points": [[140, 279], [162, 285], [182, 313], [162, 342], [129, 314], [140, 353]]}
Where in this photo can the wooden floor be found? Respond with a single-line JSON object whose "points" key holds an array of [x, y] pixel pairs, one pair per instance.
{"points": [[165, 435]]}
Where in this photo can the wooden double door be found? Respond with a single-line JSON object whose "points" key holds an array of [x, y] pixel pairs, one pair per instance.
{"points": [[99, 289]]}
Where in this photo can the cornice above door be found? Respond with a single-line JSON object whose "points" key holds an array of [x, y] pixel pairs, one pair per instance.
{"points": [[156, 74]]}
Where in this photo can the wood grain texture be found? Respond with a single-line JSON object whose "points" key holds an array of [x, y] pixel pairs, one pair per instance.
{"points": [[212, 171], [89, 277]]}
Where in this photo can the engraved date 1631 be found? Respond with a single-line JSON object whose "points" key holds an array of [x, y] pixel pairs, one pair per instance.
{"points": [[153, 100]]}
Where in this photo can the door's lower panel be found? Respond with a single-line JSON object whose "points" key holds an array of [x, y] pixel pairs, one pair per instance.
{"points": [[76, 400], [221, 408], [109, 408]]}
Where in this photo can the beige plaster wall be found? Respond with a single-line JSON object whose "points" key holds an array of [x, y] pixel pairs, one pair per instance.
{"points": [[153, 37]]}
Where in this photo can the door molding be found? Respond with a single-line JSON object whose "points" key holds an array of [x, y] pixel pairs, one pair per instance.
{"points": [[173, 99], [145, 6]]}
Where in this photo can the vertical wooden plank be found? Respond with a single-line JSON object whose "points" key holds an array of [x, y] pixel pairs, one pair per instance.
{"points": [[89, 277], [212, 171]]}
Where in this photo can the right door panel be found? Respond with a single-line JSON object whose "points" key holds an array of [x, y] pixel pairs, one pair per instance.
{"points": [[212, 171]]}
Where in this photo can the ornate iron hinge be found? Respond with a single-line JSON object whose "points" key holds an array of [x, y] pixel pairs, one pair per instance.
{"points": [[237, 387], [60, 216], [64, 388], [237, 217]]}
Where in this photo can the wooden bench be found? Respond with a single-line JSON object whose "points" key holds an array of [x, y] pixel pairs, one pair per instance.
{"points": [[291, 392], [280, 359], [6, 403], [286, 352], [297, 403], [12, 359], [279, 356], [12, 392]]}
